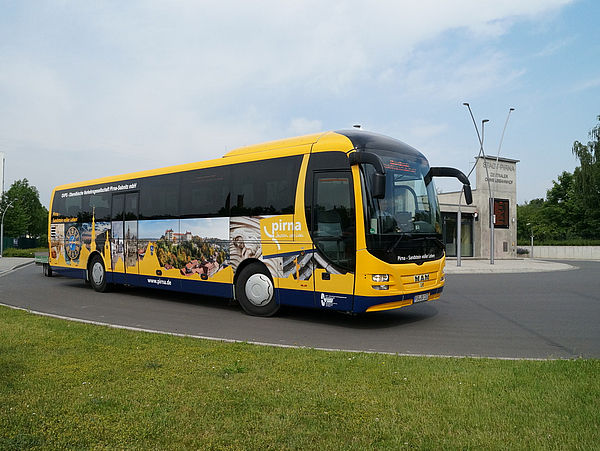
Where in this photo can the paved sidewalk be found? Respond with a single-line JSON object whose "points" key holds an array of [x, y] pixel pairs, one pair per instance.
{"points": [[481, 266], [8, 263]]}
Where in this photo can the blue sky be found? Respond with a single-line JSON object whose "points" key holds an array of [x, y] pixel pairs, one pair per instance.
{"points": [[91, 89]]}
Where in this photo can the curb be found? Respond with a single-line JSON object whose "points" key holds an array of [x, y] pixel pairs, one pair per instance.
{"points": [[14, 268]]}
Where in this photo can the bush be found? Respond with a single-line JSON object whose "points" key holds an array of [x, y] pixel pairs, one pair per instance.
{"points": [[522, 251], [569, 242], [26, 253]]}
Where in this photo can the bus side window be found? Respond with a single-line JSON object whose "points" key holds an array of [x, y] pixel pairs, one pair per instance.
{"points": [[158, 198], [73, 207], [266, 187], [132, 201], [205, 192], [118, 207], [100, 206]]}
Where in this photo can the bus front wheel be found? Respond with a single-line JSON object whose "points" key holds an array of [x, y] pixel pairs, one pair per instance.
{"points": [[255, 291], [97, 274]]}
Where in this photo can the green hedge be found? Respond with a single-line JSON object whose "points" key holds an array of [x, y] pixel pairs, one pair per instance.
{"points": [[572, 242], [26, 253]]}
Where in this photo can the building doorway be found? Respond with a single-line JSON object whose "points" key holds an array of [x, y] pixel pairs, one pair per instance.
{"points": [[449, 234]]}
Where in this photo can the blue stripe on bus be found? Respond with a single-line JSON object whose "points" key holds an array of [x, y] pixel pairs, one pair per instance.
{"points": [[201, 287], [223, 290], [76, 273], [297, 298]]}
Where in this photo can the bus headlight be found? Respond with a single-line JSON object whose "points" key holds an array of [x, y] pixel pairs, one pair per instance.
{"points": [[380, 287], [380, 279]]}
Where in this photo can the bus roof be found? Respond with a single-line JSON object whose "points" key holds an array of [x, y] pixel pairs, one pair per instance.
{"points": [[277, 144], [338, 140], [344, 140], [364, 140]]}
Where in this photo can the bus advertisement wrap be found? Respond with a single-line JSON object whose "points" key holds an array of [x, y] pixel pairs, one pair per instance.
{"points": [[294, 222]]}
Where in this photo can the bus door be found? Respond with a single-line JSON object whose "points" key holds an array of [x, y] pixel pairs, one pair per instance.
{"points": [[124, 242], [334, 237]]}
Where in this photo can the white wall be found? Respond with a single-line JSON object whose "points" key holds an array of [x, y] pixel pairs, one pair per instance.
{"points": [[565, 252]]}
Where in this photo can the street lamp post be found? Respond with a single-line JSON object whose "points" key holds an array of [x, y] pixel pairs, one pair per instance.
{"points": [[481, 152], [2, 229], [490, 201], [530, 224], [493, 191]]}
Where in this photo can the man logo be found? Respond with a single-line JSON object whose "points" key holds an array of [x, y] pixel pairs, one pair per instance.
{"points": [[421, 278]]}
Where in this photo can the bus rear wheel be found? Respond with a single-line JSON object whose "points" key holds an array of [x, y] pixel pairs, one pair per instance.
{"points": [[255, 291], [97, 274], [47, 269]]}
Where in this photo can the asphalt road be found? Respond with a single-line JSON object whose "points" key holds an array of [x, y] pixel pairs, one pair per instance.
{"points": [[531, 315]]}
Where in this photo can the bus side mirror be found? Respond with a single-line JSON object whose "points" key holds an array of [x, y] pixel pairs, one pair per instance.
{"points": [[378, 185], [378, 177], [451, 172], [468, 194]]}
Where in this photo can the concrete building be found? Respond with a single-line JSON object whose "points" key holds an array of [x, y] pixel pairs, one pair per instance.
{"points": [[495, 179]]}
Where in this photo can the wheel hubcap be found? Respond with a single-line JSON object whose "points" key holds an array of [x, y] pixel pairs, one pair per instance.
{"points": [[97, 273], [259, 289]]}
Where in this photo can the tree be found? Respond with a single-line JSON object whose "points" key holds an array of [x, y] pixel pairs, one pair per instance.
{"points": [[27, 216], [586, 184], [529, 219], [559, 210], [552, 219], [572, 206]]}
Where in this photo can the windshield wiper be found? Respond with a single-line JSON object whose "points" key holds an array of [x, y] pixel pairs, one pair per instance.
{"points": [[402, 235], [412, 238]]}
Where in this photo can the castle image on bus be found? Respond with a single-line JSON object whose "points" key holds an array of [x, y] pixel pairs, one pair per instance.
{"points": [[345, 220]]}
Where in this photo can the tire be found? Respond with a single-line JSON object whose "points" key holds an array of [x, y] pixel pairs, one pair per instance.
{"points": [[255, 291], [97, 275], [47, 270]]}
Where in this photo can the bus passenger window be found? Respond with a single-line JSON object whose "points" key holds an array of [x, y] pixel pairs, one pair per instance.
{"points": [[266, 187], [205, 192]]}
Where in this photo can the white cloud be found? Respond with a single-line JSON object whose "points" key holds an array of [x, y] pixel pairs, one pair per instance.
{"points": [[584, 85], [185, 80], [303, 126], [423, 130]]}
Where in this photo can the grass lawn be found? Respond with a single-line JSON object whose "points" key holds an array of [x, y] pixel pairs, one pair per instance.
{"points": [[66, 385]]}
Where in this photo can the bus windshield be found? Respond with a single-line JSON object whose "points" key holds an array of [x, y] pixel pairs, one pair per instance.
{"points": [[404, 226]]}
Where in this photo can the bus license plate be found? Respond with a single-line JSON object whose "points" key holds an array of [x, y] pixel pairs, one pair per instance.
{"points": [[421, 298]]}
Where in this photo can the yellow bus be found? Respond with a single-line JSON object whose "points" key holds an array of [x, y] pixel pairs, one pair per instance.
{"points": [[345, 220]]}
